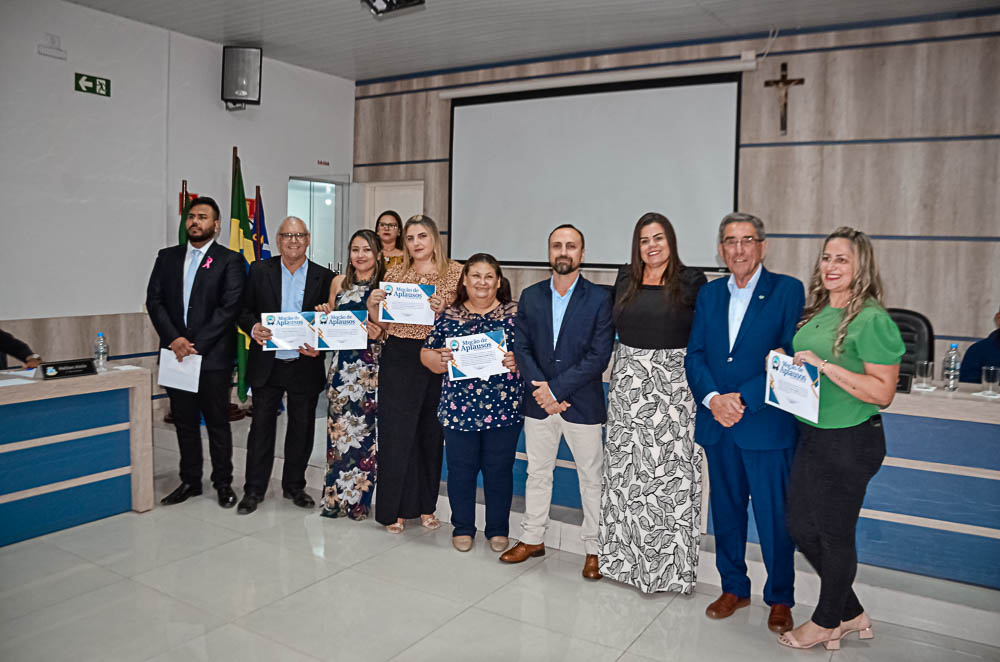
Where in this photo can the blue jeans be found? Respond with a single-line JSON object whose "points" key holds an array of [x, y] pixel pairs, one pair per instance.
{"points": [[492, 453]]}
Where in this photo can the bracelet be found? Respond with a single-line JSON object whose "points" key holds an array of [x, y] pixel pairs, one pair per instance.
{"points": [[823, 367]]}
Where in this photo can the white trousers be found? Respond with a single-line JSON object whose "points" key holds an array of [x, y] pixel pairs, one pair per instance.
{"points": [[541, 441]]}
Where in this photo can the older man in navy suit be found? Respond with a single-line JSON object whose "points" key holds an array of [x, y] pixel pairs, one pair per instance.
{"points": [[748, 444], [562, 347]]}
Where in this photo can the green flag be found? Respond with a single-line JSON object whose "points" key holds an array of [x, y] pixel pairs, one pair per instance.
{"points": [[241, 241]]}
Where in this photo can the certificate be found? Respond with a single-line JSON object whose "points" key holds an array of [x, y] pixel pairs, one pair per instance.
{"points": [[792, 388], [406, 303], [342, 329], [289, 330], [184, 374], [477, 356]]}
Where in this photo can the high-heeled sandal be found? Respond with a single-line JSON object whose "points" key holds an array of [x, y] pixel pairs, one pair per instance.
{"points": [[864, 631], [431, 522], [395, 527], [832, 643]]}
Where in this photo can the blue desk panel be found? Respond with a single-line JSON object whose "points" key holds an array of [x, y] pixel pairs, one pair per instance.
{"points": [[46, 418], [45, 513], [54, 463]]}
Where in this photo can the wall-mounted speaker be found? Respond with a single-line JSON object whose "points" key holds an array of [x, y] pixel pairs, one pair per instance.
{"points": [[240, 76]]}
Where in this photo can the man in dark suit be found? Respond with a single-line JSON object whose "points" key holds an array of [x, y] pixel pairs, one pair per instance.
{"points": [[193, 298], [748, 444], [288, 283], [18, 349], [562, 347]]}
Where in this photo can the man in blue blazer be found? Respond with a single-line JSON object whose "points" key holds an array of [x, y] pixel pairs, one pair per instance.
{"points": [[562, 347], [748, 444]]}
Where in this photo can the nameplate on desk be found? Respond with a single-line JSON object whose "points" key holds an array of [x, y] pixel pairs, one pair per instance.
{"points": [[60, 369]]}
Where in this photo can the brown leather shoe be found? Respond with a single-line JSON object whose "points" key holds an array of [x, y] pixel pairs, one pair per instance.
{"points": [[780, 619], [590, 568], [725, 606], [522, 552]]}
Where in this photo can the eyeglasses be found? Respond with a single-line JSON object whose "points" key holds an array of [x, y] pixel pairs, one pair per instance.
{"points": [[745, 242], [388, 225], [293, 236]]}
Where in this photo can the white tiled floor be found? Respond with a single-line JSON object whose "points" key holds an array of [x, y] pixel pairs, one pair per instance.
{"points": [[196, 582]]}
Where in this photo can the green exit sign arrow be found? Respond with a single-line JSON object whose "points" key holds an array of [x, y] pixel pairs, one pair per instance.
{"points": [[92, 85]]}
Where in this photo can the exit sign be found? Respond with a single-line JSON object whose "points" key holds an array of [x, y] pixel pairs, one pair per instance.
{"points": [[92, 85]]}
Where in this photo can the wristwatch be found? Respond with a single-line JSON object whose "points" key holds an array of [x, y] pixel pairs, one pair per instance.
{"points": [[33, 356]]}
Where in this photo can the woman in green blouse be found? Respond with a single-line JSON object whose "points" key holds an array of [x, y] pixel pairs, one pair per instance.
{"points": [[847, 334]]}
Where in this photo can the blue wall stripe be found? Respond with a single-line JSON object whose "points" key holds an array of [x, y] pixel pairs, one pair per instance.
{"points": [[396, 163], [887, 237], [875, 141], [713, 40], [121, 357], [959, 338], [962, 443], [946, 497], [944, 554], [52, 416], [54, 463], [45, 513]]}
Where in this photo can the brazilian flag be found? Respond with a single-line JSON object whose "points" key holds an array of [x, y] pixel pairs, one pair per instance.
{"points": [[241, 241]]}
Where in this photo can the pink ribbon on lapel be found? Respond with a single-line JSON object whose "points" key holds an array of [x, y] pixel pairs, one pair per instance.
{"points": [[208, 263]]}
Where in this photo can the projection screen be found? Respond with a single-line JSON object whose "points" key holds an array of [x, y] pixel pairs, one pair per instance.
{"points": [[598, 158]]}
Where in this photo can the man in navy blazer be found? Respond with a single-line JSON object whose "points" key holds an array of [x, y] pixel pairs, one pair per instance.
{"points": [[562, 347], [748, 444], [286, 283], [193, 298]]}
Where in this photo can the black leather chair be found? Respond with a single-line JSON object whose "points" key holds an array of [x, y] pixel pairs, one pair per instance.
{"points": [[918, 336]]}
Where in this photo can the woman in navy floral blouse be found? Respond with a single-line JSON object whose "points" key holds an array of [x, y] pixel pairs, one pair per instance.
{"points": [[481, 417]]}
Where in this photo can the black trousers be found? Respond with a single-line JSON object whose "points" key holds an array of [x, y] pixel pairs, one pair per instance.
{"points": [[830, 475], [212, 402], [410, 438], [299, 432]]}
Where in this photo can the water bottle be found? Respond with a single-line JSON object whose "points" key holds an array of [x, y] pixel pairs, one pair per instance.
{"points": [[950, 367], [101, 353]]}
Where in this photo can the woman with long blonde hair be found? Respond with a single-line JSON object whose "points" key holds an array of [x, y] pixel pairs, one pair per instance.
{"points": [[855, 347], [410, 438]]}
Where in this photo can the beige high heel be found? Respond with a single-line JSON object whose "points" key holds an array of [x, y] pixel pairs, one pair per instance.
{"points": [[832, 643], [860, 624]]}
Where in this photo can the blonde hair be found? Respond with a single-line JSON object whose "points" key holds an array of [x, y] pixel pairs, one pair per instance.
{"points": [[865, 286], [440, 258]]}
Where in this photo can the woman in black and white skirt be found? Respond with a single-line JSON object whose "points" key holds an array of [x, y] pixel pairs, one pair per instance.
{"points": [[651, 488]]}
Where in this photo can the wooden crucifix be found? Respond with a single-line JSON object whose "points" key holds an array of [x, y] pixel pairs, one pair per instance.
{"points": [[783, 84]]}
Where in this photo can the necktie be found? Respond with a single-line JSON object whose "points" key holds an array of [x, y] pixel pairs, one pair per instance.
{"points": [[192, 271]]}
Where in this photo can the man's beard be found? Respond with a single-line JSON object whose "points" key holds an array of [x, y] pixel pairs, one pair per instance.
{"points": [[196, 233], [562, 266]]}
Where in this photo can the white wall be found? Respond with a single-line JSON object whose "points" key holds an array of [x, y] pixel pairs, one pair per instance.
{"points": [[304, 117], [81, 176], [89, 184]]}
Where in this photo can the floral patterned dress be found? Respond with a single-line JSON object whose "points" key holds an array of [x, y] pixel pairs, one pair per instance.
{"points": [[351, 447]]}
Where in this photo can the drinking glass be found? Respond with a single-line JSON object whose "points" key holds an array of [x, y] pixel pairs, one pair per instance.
{"points": [[925, 375], [991, 382]]}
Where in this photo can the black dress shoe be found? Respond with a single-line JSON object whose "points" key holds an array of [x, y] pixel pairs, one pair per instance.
{"points": [[181, 494], [248, 504], [227, 498], [300, 498]]}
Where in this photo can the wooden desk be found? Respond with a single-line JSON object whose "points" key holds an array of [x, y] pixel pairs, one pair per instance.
{"points": [[934, 507], [73, 450]]}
